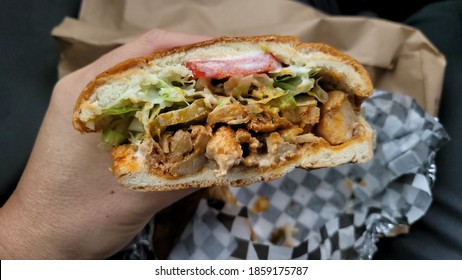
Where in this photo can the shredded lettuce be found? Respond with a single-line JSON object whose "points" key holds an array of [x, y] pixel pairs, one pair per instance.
{"points": [[266, 94], [113, 137], [239, 86], [318, 92], [116, 133], [287, 82], [177, 75], [135, 125], [299, 79], [172, 86], [223, 101], [120, 110], [162, 93], [285, 102], [137, 138]]}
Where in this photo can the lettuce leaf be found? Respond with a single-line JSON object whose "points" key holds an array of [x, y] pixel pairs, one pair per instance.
{"points": [[299, 79], [113, 137], [120, 110], [319, 93]]}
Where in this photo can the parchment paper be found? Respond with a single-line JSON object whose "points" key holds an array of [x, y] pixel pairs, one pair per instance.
{"points": [[398, 57]]}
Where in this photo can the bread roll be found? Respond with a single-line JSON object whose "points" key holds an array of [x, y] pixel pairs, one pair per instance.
{"points": [[228, 112]]}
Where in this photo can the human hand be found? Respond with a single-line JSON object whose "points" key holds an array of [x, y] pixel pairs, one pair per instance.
{"points": [[67, 204]]}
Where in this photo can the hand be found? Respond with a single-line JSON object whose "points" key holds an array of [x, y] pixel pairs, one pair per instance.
{"points": [[67, 204]]}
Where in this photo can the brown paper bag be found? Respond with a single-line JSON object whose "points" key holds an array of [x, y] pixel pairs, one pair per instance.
{"points": [[398, 57]]}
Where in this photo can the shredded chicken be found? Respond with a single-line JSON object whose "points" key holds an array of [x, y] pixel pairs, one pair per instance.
{"points": [[189, 165], [180, 144], [311, 116], [243, 136], [278, 150], [195, 161], [267, 121], [224, 149], [200, 136], [181, 153], [165, 142], [277, 146], [290, 133], [296, 135]]}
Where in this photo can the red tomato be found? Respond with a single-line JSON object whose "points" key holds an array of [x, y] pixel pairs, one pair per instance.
{"points": [[227, 67]]}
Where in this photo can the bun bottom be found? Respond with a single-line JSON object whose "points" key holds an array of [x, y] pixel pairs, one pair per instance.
{"points": [[310, 156]]}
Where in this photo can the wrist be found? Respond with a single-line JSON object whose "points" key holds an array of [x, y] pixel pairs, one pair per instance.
{"points": [[20, 236], [33, 227]]}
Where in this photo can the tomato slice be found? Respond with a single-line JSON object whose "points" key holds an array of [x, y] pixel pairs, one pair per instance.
{"points": [[227, 67]]}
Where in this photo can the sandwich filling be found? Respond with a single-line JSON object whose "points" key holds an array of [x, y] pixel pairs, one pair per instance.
{"points": [[240, 111]]}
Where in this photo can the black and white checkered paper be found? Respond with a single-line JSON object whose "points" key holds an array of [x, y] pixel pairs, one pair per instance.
{"points": [[338, 213]]}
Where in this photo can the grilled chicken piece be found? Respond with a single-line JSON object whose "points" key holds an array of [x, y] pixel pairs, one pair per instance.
{"points": [[195, 161], [180, 144], [338, 119], [200, 137], [243, 136], [267, 121], [277, 150]]}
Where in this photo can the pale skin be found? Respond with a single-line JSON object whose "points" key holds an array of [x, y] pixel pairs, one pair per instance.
{"points": [[67, 204]]}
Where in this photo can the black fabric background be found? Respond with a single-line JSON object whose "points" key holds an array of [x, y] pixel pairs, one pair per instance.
{"points": [[28, 71]]}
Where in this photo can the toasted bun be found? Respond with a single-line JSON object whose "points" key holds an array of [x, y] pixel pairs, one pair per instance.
{"points": [[343, 71]]}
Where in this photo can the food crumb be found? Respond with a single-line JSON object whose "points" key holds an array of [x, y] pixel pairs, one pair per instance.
{"points": [[222, 194], [261, 204], [284, 236], [253, 235], [349, 183]]}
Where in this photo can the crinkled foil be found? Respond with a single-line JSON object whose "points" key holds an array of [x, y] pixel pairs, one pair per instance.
{"points": [[329, 213]]}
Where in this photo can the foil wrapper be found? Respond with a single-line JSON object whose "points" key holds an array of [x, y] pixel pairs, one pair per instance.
{"points": [[329, 213]]}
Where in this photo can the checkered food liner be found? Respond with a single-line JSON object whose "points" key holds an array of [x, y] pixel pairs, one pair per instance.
{"points": [[329, 213]]}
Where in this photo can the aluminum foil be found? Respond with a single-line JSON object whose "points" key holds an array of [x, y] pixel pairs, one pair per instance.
{"points": [[330, 213]]}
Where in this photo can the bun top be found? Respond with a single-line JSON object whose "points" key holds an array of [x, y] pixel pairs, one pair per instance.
{"points": [[336, 68]]}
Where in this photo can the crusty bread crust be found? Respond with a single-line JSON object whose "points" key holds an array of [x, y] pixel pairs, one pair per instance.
{"points": [[362, 92]]}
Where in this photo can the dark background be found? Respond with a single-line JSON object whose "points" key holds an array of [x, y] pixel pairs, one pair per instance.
{"points": [[28, 72]]}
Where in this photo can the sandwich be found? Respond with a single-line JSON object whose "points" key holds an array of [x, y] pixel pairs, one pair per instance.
{"points": [[228, 112]]}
